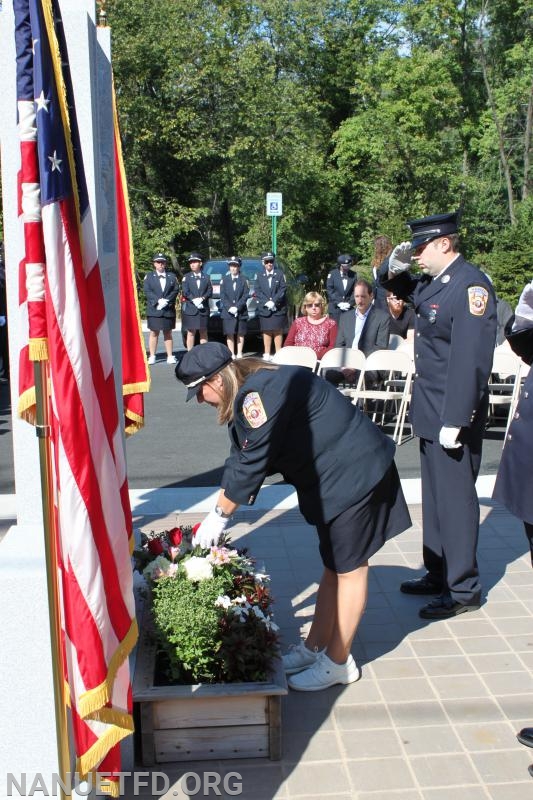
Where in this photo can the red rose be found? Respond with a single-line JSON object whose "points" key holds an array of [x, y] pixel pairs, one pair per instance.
{"points": [[155, 546], [175, 536]]}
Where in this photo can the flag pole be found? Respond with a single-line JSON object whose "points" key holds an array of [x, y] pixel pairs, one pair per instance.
{"points": [[42, 429]]}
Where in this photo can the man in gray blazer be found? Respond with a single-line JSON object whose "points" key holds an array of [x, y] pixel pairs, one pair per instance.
{"points": [[367, 326]]}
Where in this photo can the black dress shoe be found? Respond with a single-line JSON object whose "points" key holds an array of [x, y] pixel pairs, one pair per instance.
{"points": [[443, 609], [525, 737], [530, 770], [424, 585]]}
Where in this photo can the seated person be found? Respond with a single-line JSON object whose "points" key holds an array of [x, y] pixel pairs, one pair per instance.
{"points": [[315, 329], [402, 317]]}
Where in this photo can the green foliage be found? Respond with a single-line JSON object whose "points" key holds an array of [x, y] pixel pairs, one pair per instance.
{"points": [[362, 114]]}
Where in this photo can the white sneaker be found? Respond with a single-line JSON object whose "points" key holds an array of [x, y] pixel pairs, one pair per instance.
{"points": [[172, 360], [323, 673], [298, 658], [151, 359], [266, 357]]}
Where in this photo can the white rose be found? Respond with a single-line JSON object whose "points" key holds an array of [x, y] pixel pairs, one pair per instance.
{"points": [[223, 601], [198, 568]]}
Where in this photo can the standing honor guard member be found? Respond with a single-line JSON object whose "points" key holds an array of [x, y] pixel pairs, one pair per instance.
{"points": [[339, 288], [196, 291], [234, 292], [161, 290], [455, 331], [271, 293]]}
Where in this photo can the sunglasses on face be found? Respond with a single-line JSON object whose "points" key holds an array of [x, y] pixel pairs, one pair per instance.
{"points": [[313, 305]]}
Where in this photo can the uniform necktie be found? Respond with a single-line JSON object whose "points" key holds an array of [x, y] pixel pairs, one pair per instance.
{"points": [[234, 285]]}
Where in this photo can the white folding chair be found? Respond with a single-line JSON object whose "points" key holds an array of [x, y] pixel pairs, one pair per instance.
{"points": [[342, 358], [504, 388], [399, 366], [296, 355]]}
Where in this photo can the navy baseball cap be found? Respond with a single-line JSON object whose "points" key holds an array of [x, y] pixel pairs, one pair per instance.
{"points": [[426, 229], [160, 257], [345, 260], [200, 364]]}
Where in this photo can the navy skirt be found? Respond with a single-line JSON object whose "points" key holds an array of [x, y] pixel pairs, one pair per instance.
{"points": [[235, 325], [357, 533], [157, 324], [273, 323]]}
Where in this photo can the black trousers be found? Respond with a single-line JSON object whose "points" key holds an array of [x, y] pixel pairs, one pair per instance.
{"points": [[529, 533], [450, 513]]}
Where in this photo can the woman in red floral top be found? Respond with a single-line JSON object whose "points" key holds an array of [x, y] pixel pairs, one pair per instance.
{"points": [[315, 329]]}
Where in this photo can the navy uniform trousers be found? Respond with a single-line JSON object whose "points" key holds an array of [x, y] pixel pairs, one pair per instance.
{"points": [[450, 512]]}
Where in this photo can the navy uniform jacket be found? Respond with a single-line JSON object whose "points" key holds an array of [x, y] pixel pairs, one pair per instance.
{"points": [[513, 481], [455, 332], [154, 293], [375, 333], [190, 290], [291, 421], [234, 297], [337, 293], [277, 292]]}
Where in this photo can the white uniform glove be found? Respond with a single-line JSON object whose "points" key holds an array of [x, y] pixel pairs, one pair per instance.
{"points": [[524, 309], [198, 302], [233, 310], [448, 437], [271, 305], [2, 322], [161, 304], [400, 258], [210, 530], [344, 306]]}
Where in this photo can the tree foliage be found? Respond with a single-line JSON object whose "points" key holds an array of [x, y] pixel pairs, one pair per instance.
{"points": [[363, 114]]}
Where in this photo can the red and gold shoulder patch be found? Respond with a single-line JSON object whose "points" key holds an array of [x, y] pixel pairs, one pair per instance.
{"points": [[478, 297], [253, 410]]}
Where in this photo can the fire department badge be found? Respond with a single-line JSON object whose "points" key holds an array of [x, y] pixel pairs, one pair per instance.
{"points": [[477, 300], [253, 410]]}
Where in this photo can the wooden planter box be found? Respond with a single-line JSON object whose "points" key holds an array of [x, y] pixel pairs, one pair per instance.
{"points": [[205, 721]]}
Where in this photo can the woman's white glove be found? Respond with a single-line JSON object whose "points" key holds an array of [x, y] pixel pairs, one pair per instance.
{"points": [[271, 305], [210, 530], [198, 302], [161, 304], [344, 306], [400, 258], [448, 437], [233, 310], [524, 309]]}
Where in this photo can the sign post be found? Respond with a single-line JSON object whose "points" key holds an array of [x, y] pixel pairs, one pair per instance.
{"points": [[274, 209]]}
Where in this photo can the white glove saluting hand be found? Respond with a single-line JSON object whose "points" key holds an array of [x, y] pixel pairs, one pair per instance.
{"points": [[210, 530], [524, 309], [198, 302], [344, 306], [400, 258], [271, 305], [233, 310], [448, 437]]}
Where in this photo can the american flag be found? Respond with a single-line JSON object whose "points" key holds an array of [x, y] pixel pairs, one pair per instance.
{"points": [[67, 324]]}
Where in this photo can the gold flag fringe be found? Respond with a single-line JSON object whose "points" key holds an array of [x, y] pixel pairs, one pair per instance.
{"points": [[38, 349]]}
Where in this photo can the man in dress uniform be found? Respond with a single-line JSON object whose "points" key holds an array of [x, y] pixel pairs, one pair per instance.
{"points": [[161, 289], [339, 288], [455, 331], [196, 291]]}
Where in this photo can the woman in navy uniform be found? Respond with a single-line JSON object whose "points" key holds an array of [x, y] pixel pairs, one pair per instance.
{"points": [[455, 331], [161, 290], [234, 292], [286, 419], [340, 284], [513, 481], [271, 294], [196, 291]]}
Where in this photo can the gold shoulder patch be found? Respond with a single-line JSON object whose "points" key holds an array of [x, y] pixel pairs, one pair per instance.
{"points": [[477, 300], [253, 410]]}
